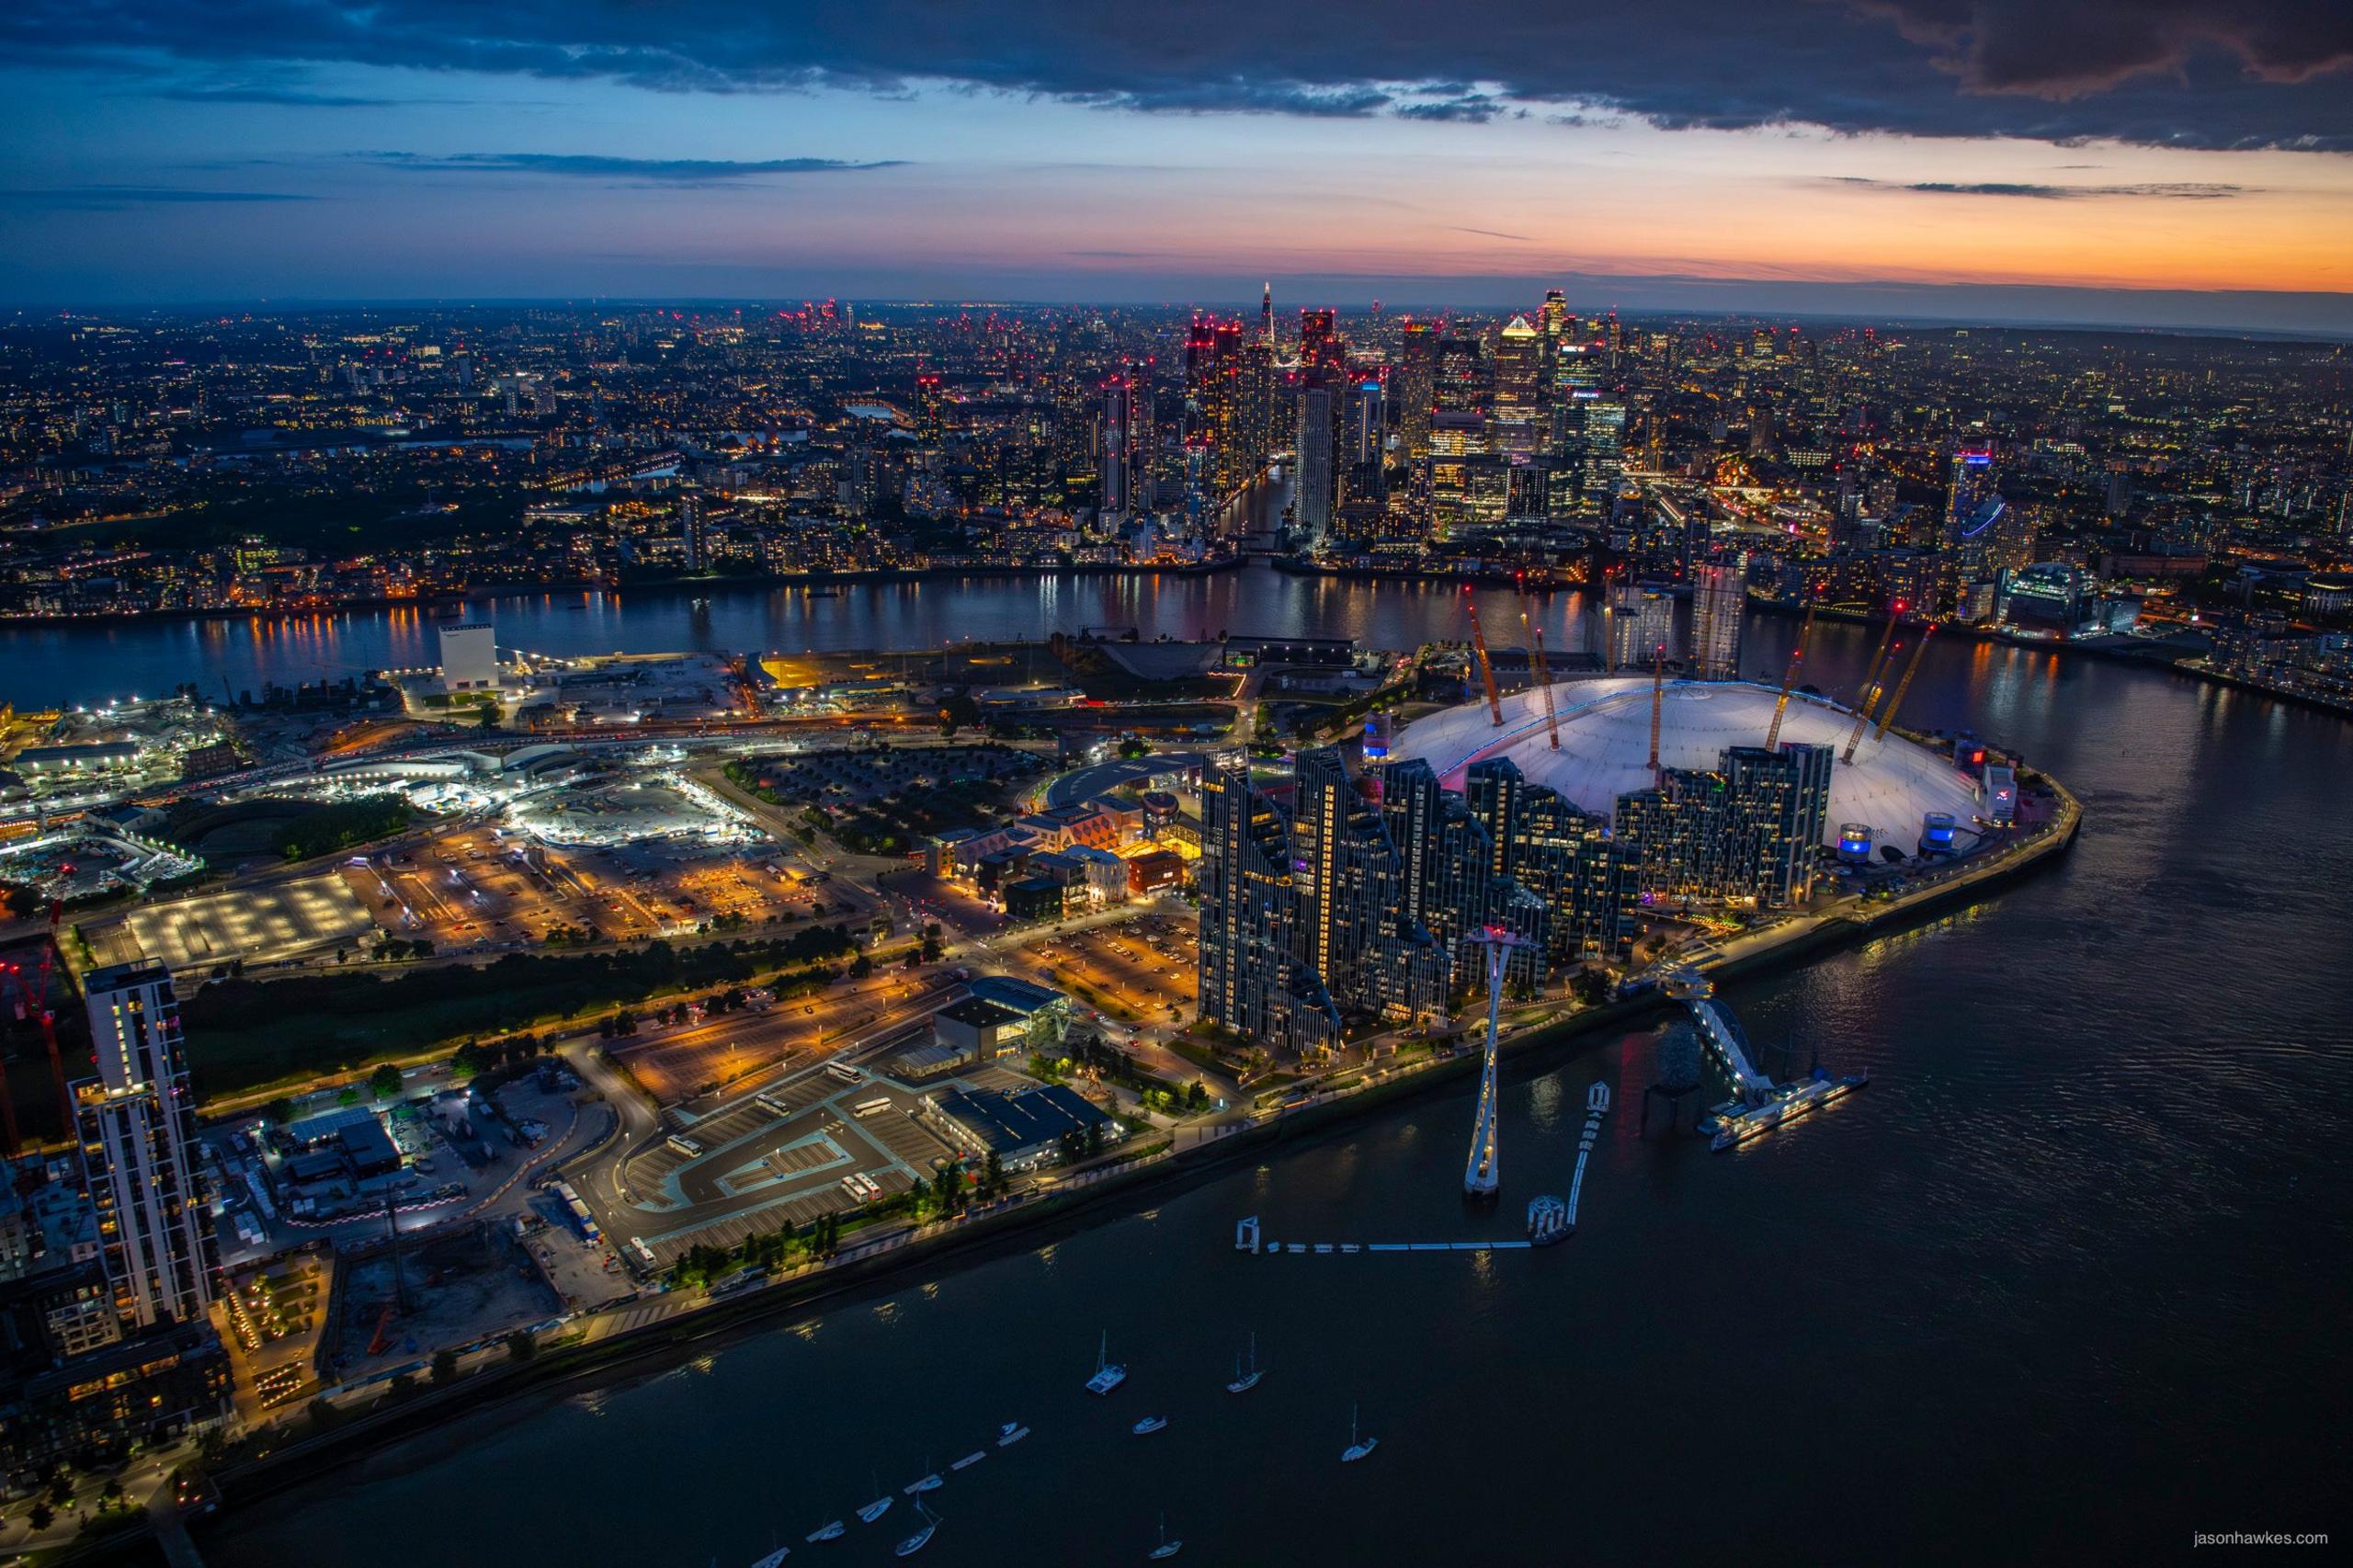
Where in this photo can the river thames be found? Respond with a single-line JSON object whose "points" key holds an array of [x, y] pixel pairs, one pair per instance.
{"points": [[2068, 1282]]}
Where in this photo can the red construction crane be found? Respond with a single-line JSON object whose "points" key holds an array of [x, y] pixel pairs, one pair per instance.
{"points": [[1543, 679], [1789, 677]]}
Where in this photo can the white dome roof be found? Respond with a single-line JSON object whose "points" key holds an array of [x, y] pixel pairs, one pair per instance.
{"points": [[1605, 745]]}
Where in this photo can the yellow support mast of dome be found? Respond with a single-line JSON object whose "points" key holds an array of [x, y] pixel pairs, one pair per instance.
{"points": [[1790, 676]]}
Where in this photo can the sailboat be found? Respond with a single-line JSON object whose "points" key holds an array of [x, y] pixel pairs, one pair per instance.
{"points": [[880, 1506], [922, 1537], [1244, 1382], [1357, 1446], [773, 1558], [832, 1530], [1167, 1547], [930, 1481], [1108, 1376], [1010, 1433]]}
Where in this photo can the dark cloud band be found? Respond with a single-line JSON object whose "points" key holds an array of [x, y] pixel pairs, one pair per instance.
{"points": [[2207, 74]]}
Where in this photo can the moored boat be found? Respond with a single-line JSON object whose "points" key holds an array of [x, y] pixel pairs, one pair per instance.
{"points": [[1108, 1375]]}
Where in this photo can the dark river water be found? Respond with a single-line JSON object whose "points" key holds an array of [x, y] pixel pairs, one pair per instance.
{"points": [[2068, 1283]]}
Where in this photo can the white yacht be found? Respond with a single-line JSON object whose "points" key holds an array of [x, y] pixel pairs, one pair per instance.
{"points": [[773, 1558], [830, 1530], [930, 1481], [1149, 1423], [1243, 1382], [1357, 1446], [880, 1506], [1107, 1375], [1167, 1547]]}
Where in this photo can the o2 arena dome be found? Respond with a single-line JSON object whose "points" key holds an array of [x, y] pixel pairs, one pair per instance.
{"points": [[1605, 747]]}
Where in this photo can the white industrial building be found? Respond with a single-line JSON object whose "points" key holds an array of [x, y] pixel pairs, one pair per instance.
{"points": [[469, 658]]}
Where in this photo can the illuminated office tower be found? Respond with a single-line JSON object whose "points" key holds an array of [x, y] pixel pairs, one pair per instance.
{"points": [[1215, 403], [1719, 603], [137, 1131], [1364, 439], [1267, 316], [1416, 390], [1462, 376], [1519, 369], [1115, 460], [1319, 343], [927, 408], [1553, 320], [1316, 492], [1605, 446], [1146, 460]]}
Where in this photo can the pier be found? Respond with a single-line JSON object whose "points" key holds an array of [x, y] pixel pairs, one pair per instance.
{"points": [[1720, 1035], [1758, 1105], [1597, 1106], [1247, 1238]]}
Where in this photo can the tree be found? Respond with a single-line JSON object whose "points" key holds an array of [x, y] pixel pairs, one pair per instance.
{"points": [[445, 1367], [42, 1518], [993, 1179], [385, 1081], [861, 967]]}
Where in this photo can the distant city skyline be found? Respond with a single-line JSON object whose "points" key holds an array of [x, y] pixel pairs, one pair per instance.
{"points": [[2179, 164]]}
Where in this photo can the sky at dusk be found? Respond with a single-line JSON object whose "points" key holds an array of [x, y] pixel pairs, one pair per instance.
{"points": [[2168, 162]]}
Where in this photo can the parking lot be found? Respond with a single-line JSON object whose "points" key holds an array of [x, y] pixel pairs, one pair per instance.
{"points": [[677, 1064], [1141, 972], [251, 925], [479, 885]]}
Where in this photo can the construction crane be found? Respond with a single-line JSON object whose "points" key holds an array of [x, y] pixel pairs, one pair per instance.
{"points": [[1658, 696], [1479, 646], [1789, 676], [1543, 678], [1888, 717]]}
